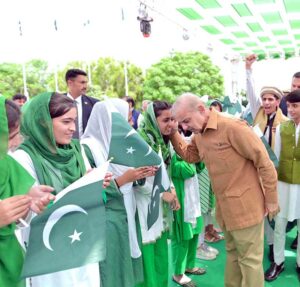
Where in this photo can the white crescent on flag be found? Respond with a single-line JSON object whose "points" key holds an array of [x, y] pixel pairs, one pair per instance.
{"points": [[55, 217], [130, 133]]}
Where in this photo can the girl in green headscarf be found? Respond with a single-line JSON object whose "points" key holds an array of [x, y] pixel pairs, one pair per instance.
{"points": [[155, 127], [15, 182], [52, 157]]}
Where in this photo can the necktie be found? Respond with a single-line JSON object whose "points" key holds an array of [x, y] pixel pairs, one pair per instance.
{"points": [[269, 125], [76, 133]]}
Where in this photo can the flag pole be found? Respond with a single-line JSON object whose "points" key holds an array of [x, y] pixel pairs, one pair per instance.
{"points": [[55, 65], [88, 33], [26, 94], [125, 61]]}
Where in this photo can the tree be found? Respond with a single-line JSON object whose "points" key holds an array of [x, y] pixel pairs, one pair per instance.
{"points": [[108, 76], [11, 78], [37, 77], [183, 72], [11, 81]]}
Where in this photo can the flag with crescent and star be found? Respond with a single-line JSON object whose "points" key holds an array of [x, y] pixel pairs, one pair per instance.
{"points": [[161, 184], [71, 233], [127, 147]]}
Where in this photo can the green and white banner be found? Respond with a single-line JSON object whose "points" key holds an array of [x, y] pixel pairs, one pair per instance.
{"points": [[71, 233]]}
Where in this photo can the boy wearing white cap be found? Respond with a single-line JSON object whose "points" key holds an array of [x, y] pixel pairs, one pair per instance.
{"points": [[267, 116]]}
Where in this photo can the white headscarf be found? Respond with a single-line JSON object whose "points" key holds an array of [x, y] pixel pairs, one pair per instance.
{"points": [[192, 209], [97, 137]]}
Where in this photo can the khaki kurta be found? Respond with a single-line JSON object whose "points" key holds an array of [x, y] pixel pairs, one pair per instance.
{"points": [[243, 177]]}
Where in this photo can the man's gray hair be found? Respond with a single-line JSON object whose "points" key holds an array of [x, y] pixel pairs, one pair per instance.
{"points": [[188, 100]]}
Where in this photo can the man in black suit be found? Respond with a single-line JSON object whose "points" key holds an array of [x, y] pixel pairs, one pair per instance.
{"points": [[295, 85], [77, 82]]}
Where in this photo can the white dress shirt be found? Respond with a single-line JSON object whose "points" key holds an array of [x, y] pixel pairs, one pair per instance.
{"points": [[79, 116]]}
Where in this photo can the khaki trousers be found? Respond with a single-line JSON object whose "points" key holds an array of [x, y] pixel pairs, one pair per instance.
{"points": [[244, 257]]}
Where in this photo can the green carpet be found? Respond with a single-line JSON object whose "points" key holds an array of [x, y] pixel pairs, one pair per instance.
{"points": [[215, 268]]}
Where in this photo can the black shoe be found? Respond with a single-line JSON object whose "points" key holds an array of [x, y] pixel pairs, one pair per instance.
{"points": [[295, 243], [273, 272], [271, 253]]}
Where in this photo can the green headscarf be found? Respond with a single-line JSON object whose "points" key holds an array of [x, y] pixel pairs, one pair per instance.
{"points": [[14, 180], [150, 132], [55, 165], [3, 128]]}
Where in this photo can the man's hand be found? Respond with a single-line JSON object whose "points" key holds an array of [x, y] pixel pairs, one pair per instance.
{"points": [[174, 126], [13, 208], [250, 59], [271, 209], [40, 197]]}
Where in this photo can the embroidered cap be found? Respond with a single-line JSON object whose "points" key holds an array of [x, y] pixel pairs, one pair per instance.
{"points": [[271, 90]]}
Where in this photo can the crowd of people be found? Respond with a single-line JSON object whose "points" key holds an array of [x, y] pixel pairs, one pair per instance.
{"points": [[217, 166]]}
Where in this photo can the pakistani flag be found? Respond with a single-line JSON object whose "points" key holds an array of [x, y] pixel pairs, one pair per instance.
{"points": [[232, 108], [161, 184], [272, 155], [127, 147], [71, 233]]}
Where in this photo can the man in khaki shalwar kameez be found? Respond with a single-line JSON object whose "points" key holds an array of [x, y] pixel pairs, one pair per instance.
{"points": [[243, 179]]}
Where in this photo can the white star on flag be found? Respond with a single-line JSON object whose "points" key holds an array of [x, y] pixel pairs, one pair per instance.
{"points": [[75, 236], [130, 150]]}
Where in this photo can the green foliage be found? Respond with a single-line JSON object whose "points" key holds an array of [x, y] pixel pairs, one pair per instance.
{"points": [[37, 77], [108, 79], [11, 81], [11, 78], [107, 76], [183, 72]]}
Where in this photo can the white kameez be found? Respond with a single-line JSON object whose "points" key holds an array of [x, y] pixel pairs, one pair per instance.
{"points": [[97, 137], [192, 206], [85, 276], [288, 194]]}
